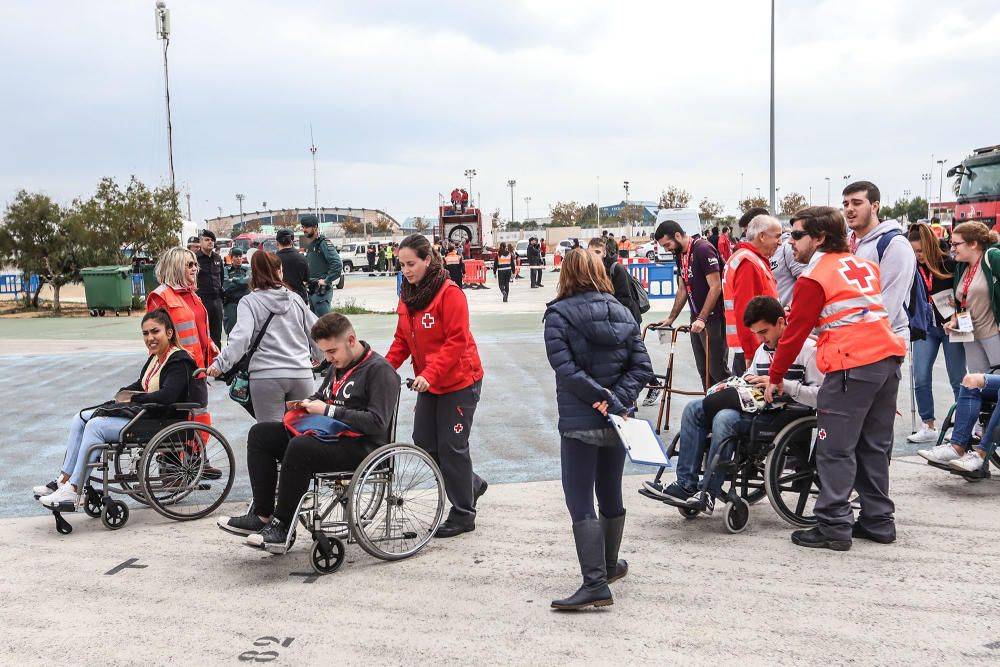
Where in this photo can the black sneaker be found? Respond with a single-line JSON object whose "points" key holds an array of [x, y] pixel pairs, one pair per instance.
{"points": [[248, 524], [273, 538], [815, 539], [652, 397], [676, 495], [863, 533]]}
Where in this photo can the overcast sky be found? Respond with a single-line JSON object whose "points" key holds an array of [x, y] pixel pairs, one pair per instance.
{"points": [[557, 94]]}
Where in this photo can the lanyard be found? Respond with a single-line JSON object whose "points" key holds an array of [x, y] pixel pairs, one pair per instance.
{"points": [[854, 242], [149, 376], [686, 262], [928, 281], [969, 274], [335, 386]]}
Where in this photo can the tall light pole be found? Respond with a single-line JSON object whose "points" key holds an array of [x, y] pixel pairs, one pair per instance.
{"points": [[810, 195], [827, 190], [741, 190], [510, 184], [240, 199], [527, 208], [626, 207], [598, 202], [163, 33], [470, 174], [313, 149], [772, 108], [941, 182]]}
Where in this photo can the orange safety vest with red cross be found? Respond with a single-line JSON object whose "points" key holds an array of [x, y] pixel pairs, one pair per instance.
{"points": [[504, 262], [184, 324], [853, 327], [729, 289]]}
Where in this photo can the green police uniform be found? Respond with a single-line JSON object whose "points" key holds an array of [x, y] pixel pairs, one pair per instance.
{"points": [[235, 286], [324, 263]]}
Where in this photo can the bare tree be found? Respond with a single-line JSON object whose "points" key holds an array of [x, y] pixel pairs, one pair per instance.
{"points": [[674, 197], [792, 202], [420, 224], [754, 202], [566, 214], [709, 210]]}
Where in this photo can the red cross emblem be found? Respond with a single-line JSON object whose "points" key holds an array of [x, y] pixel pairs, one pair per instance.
{"points": [[822, 434], [857, 273], [427, 320], [459, 428]]}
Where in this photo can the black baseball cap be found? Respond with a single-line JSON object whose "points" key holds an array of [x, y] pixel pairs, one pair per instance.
{"points": [[207, 234], [284, 236], [309, 221]]}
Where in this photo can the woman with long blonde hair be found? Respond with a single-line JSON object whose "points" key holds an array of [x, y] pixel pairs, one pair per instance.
{"points": [[594, 346]]}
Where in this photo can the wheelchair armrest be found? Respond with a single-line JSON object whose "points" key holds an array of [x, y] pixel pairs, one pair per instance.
{"points": [[186, 406]]}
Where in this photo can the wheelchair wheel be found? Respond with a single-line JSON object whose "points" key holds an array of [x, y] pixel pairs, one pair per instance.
{"points": [[93, 505], [326, 558], [674, 447], [114, 515], [187, 470], [790, 476], [736, 516], [689, 512], [409, 490]]}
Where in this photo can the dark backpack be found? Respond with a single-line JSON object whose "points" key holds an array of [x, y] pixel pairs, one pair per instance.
{"points": [[638, 292], [919, 311]]}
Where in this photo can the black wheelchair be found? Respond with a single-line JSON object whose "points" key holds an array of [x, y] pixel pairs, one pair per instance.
{"points": [[992, 450], [391, 506], [180, 467], [773, 457]]}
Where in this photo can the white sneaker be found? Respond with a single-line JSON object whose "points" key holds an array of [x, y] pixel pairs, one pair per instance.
{"points": [[943, 454], [971, 462], [925, 434], [64, 494], [46, 489]]}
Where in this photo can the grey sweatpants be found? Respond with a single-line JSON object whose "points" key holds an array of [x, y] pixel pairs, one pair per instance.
{"points": [[853, 446], [268, 396]]}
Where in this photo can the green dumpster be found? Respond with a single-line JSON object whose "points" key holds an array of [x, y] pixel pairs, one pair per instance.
{"points": [[149, 281], [108, 288]]}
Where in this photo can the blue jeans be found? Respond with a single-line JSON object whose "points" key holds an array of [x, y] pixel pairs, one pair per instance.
{"points": [[925, 353], [694, 433], [85, 431], [970, 403]]}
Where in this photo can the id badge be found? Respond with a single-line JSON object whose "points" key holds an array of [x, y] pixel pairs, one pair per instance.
{"points": [[964, 322]]}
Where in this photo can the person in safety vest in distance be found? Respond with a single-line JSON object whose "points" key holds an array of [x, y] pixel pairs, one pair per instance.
{"points": [[748, 274], [455, 265], [839, 296]]}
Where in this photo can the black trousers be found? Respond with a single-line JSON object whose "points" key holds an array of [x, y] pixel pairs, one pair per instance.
{"points": [[503, 281], [588, 470], [536, 276], [300, 457], [718, 352], [214, 308], [441, 426]]}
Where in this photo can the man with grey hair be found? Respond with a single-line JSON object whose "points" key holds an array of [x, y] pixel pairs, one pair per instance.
{"points": [[748, 274]]}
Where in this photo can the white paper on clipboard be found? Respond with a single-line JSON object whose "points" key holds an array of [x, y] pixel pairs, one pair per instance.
{"points": [[945, 303], [640, 440]]}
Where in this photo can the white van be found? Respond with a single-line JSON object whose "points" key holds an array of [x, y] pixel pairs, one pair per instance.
{"points": [[689, 221]]}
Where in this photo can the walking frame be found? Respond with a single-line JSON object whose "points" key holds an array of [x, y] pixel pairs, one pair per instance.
{"points": [[663, 416]]}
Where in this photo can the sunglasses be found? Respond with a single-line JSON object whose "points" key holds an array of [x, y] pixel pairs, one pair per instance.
{"points": [[192, 265], [799, 234]]}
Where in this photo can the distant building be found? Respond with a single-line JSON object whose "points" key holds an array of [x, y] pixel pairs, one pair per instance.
{"points": [[649, 209], [267, 222]]}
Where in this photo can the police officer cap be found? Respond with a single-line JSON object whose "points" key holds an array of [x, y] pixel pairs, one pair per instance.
{"points": [[193, 239], [309, 221], [207, 234], [285, 236], [236, 252]]}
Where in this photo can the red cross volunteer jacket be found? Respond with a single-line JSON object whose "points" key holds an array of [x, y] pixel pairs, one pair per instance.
{"points": [[439, 340]]}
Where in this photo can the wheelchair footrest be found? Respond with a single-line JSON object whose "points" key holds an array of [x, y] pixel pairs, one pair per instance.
{"points": [[62, 508]]}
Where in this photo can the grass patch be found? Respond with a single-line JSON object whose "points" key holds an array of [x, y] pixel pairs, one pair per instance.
{"points": [[352, 307]]}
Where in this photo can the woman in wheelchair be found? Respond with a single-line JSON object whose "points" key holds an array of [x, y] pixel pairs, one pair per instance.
{"points": [[164, 380], [959, 454], [361, 390], [765, 317]]}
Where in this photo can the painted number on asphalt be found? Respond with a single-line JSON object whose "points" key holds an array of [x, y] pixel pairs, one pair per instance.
{"points": [[265, 656]]}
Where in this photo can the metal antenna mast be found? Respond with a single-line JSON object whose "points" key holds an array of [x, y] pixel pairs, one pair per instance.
{"points": [[313, 149]]}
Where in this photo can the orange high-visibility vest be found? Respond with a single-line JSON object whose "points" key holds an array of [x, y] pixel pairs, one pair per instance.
{"points": [[503, 263], [729, 289], [452, 258], [184, 324], [853, 326]]}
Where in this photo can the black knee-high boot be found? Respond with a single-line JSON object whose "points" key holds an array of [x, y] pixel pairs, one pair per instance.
{"points": [[612, 529], [590, 552]]}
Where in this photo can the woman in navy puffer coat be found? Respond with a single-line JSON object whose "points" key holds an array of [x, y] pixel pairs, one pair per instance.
{"points": [[594, 345]]}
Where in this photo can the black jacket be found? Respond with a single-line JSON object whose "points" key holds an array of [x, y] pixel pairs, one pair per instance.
{"points": [[594, 346], [367, 401], [211, 273], [534, 255], [295, 269], [175, 381], [622, 283]]}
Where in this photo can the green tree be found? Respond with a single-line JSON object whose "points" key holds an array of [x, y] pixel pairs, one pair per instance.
{"points": [[709, 210], [566, 214], [754, 202], [674, 197], [792, 202], [588, 217], [631, 214], [917, 209], [39, 238], [124, 223], [383, 224]]}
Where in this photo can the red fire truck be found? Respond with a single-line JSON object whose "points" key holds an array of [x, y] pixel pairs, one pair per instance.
{"points": [[457, 227], [979, 187]]}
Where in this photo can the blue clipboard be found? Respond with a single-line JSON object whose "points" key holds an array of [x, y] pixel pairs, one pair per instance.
{"points": [[640, 440]]}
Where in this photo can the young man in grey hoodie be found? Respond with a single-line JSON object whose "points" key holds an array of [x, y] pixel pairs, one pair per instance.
{"points": [[282, 367], [898, 264]]}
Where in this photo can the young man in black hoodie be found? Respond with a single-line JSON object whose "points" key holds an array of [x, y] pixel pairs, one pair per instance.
{"points": [[619, 277], [361, 390]]}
